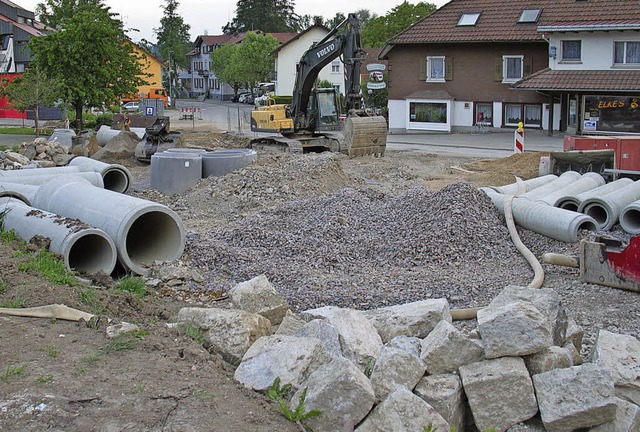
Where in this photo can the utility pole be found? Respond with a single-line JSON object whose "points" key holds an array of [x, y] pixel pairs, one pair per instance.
{"points": [[172, 104]]}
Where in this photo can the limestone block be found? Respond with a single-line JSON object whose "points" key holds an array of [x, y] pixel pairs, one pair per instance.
{"points": [[514, 329], [291, 358], [545, 300], [415, 319], [394, 368], [229, 332], [291, 324], [412, 345], [627, 419], [326, 333], [444, 393], [338, 390], [554, 357], [574, 334], [620, 353], [259, 296], [359, 340], [402, 411], [499, 391], [446, 349], [576, 397], [16, 157]]}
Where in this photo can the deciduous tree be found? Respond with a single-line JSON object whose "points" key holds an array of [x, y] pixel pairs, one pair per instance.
{"points": [[378, 30], [269, 16], [173, 36]]}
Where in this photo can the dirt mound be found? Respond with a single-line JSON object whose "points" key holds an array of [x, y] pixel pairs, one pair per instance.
{"points": [[121, 147], [498, 172]]}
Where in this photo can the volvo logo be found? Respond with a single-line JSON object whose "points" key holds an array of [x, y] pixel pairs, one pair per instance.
{"points": [[324, 51]]}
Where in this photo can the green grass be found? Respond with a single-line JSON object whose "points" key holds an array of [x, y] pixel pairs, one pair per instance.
{"points": [[4, 285], [89, 298], [24, 131], [195, 333], [45, 379], [10, 371], [132, 285], [52, 351], [8, 236], [124, 341], [50, 267], [15, 302]]}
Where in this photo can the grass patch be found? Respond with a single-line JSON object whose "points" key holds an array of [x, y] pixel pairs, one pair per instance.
{"points": [[10, 371], [16, 302], [24, 131], [50, 267], [195, 333], [4, 286], [8, 236], [124, 341], [45, 379], [132, 285], [52, 351], [89, 298]]}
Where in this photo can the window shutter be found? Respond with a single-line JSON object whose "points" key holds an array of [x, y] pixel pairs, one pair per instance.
{"points": [[422, 70], [448, 68], [528, 66], [497, 70]]}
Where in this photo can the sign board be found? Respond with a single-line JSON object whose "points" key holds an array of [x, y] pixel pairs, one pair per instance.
{"points": [[150, 111], [376, 77], [376, 67], [589, 125]]}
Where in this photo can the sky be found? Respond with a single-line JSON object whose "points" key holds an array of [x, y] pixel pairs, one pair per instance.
{"points": [[208, 17]]}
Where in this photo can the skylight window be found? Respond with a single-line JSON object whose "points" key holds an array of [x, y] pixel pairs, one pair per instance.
{"points": [[469, 19], [530, 15]]}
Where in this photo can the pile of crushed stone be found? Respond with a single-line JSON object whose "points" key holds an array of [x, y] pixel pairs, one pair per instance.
{"points": [[364, 249]]}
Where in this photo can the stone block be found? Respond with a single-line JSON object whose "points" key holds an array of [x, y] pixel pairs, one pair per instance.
{"points": [[444, 393], [326, 333], [394, 368], [554, 357], [259, 296], [446, 349]]}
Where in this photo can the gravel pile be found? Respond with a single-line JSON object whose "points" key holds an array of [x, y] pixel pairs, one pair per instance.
{"points": [[364, 249]]}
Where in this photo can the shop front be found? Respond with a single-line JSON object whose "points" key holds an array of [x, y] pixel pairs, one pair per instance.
{"points": [[611, 114]]}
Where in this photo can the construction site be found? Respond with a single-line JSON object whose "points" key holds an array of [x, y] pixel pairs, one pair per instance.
{"points": [[364, 233]]}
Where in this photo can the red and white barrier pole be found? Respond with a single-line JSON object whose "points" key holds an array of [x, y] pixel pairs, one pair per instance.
{"points": [[518, 141]]}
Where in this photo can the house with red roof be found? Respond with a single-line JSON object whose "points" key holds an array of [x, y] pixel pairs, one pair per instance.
{"points": [[501, 63]]}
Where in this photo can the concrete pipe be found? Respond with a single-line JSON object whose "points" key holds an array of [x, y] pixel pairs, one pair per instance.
{"points": [[9, 175], [143, 231], [175, 172], [587, 182], [572, 202], [529, 185], [606, 209], [22, 192], [38, 179], [106, 134], [116, 177], [83, 248], [552, 222], [222, 162], [540, 192], [630, 218], [186, 150]]}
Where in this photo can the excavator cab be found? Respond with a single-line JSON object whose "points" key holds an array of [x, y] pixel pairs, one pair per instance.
{"points": [[326, 109]]}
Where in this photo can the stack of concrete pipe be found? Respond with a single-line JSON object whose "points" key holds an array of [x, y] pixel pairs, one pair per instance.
{"points": [[139, 232], [176, 170], [607, 208]]}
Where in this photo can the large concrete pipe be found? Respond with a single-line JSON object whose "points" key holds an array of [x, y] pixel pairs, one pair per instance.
{"points": [[116, 177], [572, 202], [222, 162], [8, 175], [38, 178], [552, 222], [630, 218], [143, 231], [83, 248], [175, 172], [587, 182], [606, 209], [22, 192], [566, 178], [529, 185]]}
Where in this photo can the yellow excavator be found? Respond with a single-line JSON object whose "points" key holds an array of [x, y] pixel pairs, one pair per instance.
{"points": [[313, 122]]}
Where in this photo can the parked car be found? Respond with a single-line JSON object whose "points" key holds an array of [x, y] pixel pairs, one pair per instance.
{"points": [[249, 99], [235, 98], [132, 106], [242, 97]]}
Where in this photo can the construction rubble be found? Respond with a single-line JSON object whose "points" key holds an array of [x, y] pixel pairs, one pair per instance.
{"points": [[408, 366]]}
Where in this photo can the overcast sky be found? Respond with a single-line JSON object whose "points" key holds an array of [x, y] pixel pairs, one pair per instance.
{"points": [[207, 16]]}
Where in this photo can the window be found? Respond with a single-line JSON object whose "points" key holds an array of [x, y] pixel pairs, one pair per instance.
{"points": [[335, 66], [512, 68], [529, 15], [530, 115], [626, 53], [469, 19], [571, 51], [484, 113], [428, 112], [435, 69]]}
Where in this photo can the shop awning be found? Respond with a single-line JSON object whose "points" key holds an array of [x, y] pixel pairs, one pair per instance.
{"points": [[581, 81]]}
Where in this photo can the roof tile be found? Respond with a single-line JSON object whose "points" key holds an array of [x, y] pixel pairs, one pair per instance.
{"points": [[581, 80]]}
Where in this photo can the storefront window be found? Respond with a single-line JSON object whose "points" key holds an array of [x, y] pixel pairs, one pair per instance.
{"points": [[484, 113], [427, 112], [611, 114]]}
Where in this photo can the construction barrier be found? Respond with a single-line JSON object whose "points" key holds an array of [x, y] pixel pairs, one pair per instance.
{"points": [[518, 141]]}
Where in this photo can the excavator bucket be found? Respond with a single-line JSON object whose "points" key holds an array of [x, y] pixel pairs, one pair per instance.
{"points": [[364, 136]]}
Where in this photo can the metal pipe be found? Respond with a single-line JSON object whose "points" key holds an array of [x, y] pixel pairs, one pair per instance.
{"points": [[116, 177], [587, 182], [630, 218], [143, 231], [605, 209], [572, 202], [565, 178], [83, 248], [552, 222]]}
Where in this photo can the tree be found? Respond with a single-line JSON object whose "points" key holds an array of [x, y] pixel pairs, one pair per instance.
{"points": [[89, 58], [52, 12], [173, 38], [227, 66], [31, 90], [269, 16], [336, 20], [378, 30]]}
